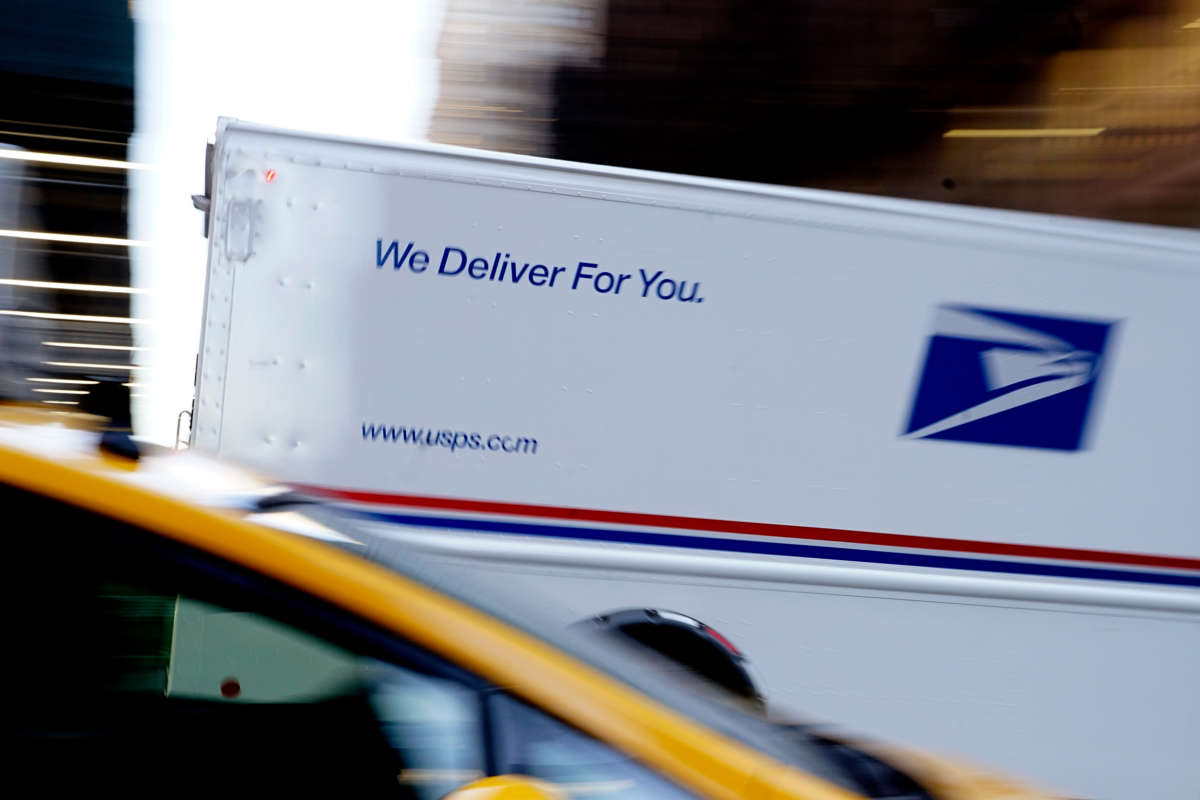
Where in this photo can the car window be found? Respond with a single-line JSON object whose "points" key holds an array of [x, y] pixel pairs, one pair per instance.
{"points": [[153, 669], [432, 723], [144, 672], [529, 742]]}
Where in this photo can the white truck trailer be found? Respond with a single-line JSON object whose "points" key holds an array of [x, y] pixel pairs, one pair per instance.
{"points": [[933, 468]]}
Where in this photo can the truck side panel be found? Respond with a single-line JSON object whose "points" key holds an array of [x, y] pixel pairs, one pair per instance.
{"points": [[933, 468]]}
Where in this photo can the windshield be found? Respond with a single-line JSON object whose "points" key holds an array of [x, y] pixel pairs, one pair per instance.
{"points": [[639, 668]]}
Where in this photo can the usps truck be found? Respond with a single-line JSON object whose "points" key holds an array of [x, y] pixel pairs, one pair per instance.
{"points": [[933, 468]]}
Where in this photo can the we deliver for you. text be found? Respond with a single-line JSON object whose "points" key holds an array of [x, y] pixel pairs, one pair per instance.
{"points": [[501, 267]]}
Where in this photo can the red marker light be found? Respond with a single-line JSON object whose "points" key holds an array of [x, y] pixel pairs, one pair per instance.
{"points": [[230, 688], [269, 175], [728, 644]]}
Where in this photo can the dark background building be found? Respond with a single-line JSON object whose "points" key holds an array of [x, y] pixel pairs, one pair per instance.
{"points": [[67, 89], [860, 94], [1084, 107]]}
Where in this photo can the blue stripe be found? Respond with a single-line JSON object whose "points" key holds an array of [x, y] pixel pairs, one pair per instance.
{"points": [[793, 549]]}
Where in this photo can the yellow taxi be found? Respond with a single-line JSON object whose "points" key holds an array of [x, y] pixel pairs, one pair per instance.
{"points": [[183, 627]]}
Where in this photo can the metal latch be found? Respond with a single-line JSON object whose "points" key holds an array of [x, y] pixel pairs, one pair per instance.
{"points": [[240, 217]]}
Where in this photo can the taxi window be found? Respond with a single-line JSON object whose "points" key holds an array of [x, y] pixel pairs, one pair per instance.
{"points": [[529, 742], [138, 676], [151, 668]]}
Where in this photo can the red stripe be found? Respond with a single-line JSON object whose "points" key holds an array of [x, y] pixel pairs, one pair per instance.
{"points": [[760, 529]]}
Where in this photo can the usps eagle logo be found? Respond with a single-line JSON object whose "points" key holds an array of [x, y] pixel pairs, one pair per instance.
{"points": [[1009, 378]]}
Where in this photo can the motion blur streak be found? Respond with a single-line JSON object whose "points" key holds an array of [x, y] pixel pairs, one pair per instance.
{"points": [[62, 158], [69, 287], [73, 238]]}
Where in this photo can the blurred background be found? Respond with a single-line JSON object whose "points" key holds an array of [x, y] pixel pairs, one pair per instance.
{"points": [[1085, 107]]}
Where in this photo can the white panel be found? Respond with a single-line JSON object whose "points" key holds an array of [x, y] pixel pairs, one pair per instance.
{"points": [[779, 398]]}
